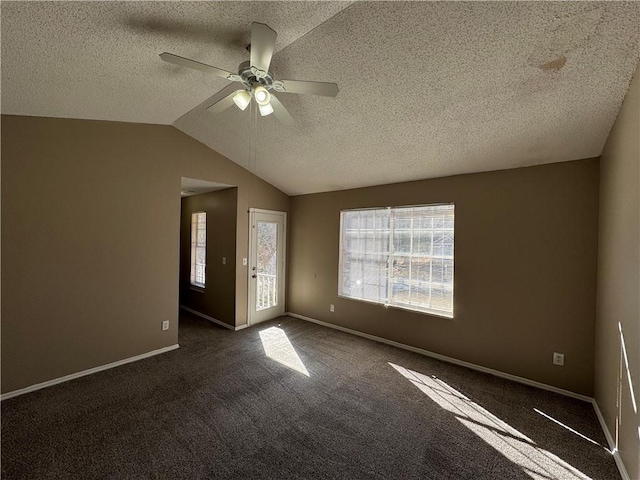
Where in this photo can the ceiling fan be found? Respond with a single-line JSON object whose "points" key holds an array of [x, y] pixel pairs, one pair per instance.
{"points": [[256, 79]]}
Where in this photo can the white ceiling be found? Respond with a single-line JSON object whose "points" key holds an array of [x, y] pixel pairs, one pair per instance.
{"points": [[427, 89]]}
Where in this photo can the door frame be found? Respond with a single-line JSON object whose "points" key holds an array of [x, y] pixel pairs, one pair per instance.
{"points": [[251, 291]]}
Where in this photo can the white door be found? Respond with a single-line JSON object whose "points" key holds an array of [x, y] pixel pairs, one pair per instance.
{"points": [[267, 230]]}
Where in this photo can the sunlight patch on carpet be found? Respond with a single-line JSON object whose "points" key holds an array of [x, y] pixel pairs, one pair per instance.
{"points": [[536, 462], [277, 346]]}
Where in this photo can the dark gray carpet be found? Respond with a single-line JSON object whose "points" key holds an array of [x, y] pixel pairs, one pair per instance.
{"points": [[220, 408]]}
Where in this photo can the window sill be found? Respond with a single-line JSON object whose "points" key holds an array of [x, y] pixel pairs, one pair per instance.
{"points": [[196, 288], [422, 312], [398, 307]]}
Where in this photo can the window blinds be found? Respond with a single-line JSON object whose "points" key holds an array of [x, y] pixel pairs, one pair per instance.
{"points": [[399, 256], [198, 248]]}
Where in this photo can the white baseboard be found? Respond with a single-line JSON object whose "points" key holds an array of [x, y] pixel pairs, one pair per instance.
{"points": [[211, 319], [83, 373], [612, 444], [444, 358]]}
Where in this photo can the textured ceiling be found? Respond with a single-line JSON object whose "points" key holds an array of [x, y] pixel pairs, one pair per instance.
{"points": [[99, 60], [427, 89]]}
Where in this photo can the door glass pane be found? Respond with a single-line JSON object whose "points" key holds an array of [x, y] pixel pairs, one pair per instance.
{"points": [[267, 272]]}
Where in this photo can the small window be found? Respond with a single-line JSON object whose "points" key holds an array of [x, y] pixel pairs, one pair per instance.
{"points": [[400, 257], [198, 248]]}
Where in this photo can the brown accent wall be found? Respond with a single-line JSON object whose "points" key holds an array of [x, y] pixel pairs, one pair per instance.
{"points": [[525, 269], [619, 281], [90, 240], [218, 298]]}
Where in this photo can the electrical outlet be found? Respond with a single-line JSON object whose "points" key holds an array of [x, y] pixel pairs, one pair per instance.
{"points": [[224, 260], [332, 308], [558, 359], [165, 325]]}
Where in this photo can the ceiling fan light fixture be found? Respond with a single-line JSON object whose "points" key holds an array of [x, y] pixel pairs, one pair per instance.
{"points": [[256, 79], [262, 96], [265, 109], [242, 99]]}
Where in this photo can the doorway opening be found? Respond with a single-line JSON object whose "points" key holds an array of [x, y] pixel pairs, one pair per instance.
{"points": [[208, 218]]}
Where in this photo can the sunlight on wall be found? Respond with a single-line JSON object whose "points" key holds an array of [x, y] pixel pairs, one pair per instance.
{"points": [[623, 348], [515, 446], [278, 347], [624, 368]]}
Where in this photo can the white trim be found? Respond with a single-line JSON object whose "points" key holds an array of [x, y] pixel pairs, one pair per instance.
{"points": [[262, 210], [444, 358], [397, 206], [250, 255], [241, 327], [397, 307], [211, 319], [612, 445], [282, 280], [83, 373]]}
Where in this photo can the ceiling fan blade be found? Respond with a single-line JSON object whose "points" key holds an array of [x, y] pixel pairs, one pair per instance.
{"points": [[263, 41], [185, 62], [281, 113], [312, 88], [222, 104]]}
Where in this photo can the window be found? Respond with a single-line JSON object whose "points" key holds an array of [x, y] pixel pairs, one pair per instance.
{"points": [[400, 257], [198, 248]]}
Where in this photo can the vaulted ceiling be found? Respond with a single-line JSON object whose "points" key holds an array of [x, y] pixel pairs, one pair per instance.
{"points": [[427, 89]]}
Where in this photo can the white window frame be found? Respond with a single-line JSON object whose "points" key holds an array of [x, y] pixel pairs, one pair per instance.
{"points": [[392, 253], [195, 245]]}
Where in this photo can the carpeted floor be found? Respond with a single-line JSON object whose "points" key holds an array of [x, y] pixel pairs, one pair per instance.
{"points": [[289, 399]]}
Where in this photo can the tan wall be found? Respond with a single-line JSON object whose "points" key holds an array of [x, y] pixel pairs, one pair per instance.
{"points": [[90, 240], [525, 269], [218, 298], [619, 280]]}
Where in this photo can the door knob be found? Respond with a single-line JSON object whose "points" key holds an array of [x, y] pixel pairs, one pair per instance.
{"points": [[253, 276]]}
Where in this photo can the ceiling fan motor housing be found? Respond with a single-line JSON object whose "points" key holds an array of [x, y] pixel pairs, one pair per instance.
{"points": [[249, 78]]}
